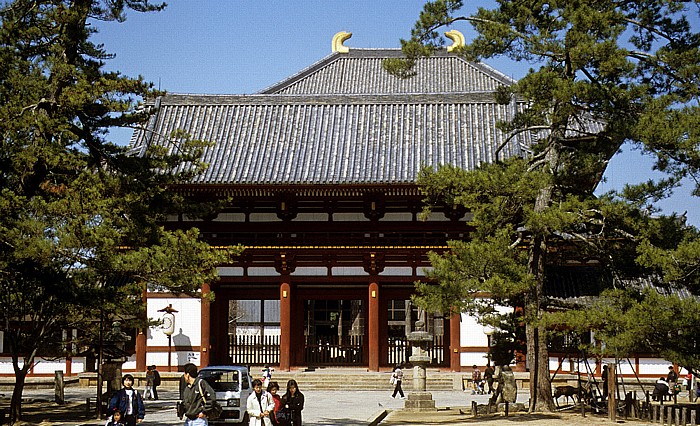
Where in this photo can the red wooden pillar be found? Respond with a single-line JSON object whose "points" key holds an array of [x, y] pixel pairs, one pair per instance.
{"points": [[455, 344], [285, 324], [205, 344], [373, 324], [141, 337]]}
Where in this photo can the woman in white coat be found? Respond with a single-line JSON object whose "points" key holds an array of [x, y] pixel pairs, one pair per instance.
{"points": [[260, 406]]}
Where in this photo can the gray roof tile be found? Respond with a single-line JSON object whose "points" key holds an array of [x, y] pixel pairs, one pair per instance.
{"points": [[344, 120], [361, 72]]}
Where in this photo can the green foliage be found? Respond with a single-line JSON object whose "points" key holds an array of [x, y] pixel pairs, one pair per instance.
{"points": [[604, 73], [628, 321], [80, 234]]}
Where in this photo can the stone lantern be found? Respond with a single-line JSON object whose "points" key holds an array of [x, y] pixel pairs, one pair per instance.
{"points": [[419, 399]]}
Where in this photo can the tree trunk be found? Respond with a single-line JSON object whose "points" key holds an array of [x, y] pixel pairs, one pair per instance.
{"points": [[538, 354], [16, 403]]}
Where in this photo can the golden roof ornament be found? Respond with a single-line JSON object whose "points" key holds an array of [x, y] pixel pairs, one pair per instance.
{"points": [[457, 38], [337, 43]]}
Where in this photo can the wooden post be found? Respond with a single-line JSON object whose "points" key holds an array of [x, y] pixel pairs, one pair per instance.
{"points": [[373, 323], [455, 345], [653, 413], [285, 324], [205, 326], [612, 384], [684, 413], [59, 391], [662, 414], [475, 410], [693, 417]]}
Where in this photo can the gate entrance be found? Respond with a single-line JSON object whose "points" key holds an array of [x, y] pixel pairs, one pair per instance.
{"points": [[334, 332]]}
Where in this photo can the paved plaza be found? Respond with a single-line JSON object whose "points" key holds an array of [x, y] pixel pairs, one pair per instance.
{"points": [[322, 408]]}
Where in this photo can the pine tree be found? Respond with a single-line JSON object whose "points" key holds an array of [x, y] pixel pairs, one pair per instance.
{"points": [[79, 216], [606, 73]]}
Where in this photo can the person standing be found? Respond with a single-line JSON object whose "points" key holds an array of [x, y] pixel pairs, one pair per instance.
{"points": [[397, 378], [193, 396], [476, 380], [156, 382], [267, 376], [604, 378], [273, 389], [293, 400], [488, 375], [260, 406], [148, 391], [672, 379], [116, 419], [129, 402]]}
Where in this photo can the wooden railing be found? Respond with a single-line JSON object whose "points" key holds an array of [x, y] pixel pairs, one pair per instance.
{"points": [[254, 350], [400, 351], [333, 350]]}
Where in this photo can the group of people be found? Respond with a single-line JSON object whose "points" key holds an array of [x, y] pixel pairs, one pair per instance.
{"points": [[126, 405], [267, 408], [479, 383], [666, 386], [264, 407]]}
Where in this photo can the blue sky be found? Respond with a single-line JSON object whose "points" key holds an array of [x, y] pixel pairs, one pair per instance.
{"points": [[243, 46]]}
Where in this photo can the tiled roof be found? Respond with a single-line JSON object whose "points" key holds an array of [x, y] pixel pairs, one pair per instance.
{"points": [[581, 283], [345, 120], [360, 72], [265, 139]]}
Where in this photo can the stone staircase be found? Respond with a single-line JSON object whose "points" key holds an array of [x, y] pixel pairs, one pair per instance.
{"points": [[342, 379]]}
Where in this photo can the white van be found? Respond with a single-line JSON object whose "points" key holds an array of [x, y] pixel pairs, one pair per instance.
{"points": [[233, 385]]}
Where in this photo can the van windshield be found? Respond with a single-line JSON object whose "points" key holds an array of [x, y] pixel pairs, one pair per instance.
{"points": [[222, 380]]}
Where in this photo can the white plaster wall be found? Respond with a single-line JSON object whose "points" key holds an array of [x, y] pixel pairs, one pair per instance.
{"points": [[49, 367], [398, 271], [655, 366], [317, 271], [397, 217], [421, 272], [188, 326], [264, 217], [471, 333], [229, 271], [349, 217], [467, 359], [348, 271], [6, 365], [230, 217], [311, 217], [554, 364], [77, 365], [262, 272]]}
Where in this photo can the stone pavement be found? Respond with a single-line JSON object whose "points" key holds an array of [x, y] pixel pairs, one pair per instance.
{"points": [[321, 408]]}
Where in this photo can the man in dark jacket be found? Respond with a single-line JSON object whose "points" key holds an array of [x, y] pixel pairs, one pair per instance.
{"points": [[192, 397], [129, 402], [156, 382]]}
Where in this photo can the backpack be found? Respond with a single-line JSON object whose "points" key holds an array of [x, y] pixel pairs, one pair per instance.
{"points": [[212, 408]]}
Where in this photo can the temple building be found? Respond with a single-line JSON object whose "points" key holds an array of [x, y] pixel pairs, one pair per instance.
{"points": [[320, 170]]}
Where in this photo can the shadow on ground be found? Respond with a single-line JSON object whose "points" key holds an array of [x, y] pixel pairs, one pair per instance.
{"points": [[48, 413]]}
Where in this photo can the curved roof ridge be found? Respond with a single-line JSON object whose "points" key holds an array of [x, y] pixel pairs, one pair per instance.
{"points": [[302, 73], [360, 71]]}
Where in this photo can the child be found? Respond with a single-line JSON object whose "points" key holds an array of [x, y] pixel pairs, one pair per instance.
{"points": [[150, 379], [116, 419]]}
